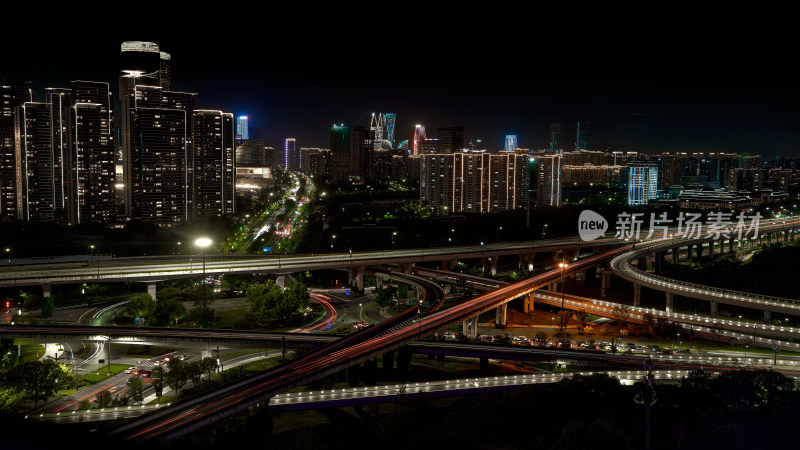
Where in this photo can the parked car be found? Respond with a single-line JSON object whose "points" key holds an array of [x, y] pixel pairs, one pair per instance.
{"points": [[130, 369]]}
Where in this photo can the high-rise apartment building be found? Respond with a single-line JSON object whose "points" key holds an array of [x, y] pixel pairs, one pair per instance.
{"points": [[473, 182], [548, 187], [13, 94], [641, 183], [214, 171], [252, 153], [34, 156], [555, 138]]}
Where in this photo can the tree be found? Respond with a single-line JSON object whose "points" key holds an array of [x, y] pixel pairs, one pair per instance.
{"points": [[301, 350], [384, 296], [297, 294], [195, 294], [103, 399], [39, 379], [142, 305], [170, 293], [177, 375], [194, 371], [582, 318], [209, 366], [621, 313], [47, 306], [169, 311], [402, 291], [202, 315], [10, 354], [135, 391], [262, 298]]}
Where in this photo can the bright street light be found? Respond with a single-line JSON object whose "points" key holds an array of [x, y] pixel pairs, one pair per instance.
{"points": [[203, 242]]}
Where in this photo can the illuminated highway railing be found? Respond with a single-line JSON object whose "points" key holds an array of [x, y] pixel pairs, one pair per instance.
{"points": [[690, 322]]}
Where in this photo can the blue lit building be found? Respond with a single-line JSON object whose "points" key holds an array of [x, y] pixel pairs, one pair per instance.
{"points": [[511, 142], [242, 131], [641, 181]]}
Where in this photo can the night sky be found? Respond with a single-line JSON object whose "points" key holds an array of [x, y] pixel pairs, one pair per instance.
{"points": [[662, 95]]}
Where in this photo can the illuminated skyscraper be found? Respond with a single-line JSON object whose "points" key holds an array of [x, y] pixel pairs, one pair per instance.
{"points": [[582, 136], [511, 143], [291, 158], [548, 189], [641, 181], [165, 72], [214, 167], [555, 138], [451, 139], [34, 156], [473, 182], [242, 130], [419, 136], [143, 58], [388, 123], [12, 95]]}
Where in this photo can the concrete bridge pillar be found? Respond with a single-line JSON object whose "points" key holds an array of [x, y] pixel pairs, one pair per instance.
{"points": [[405, 267], [356, 275], [637, 294], [378, 282], [676, 251], [699, 250], [47, 290], [465, 328], [670, 298], [605, 282], [714, 308], [280, 281], [730, 245], [151, 289], [689, 252], [785, 235], [490, 265], [527, 304], [449, 264], [641, 263], [473, 332], [500, 315], [526, 261], [658, 261], [767, 317]]}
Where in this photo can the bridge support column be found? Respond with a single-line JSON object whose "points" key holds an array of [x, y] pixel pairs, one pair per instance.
{"points": [[280, 281], [449, 264], [670, 298], [699, 250], [500, 315], [689, 252], [641, 263], [786, 236], [527, 304], [637, 294], [47, 289], [473, 332], [675, 252], [378, 282], [714, 308], [658, 261], [730, 245], [151, 289], [465, 328], [490, 265], [767, 317], [605, 282], [405, 267], [526, 261]]}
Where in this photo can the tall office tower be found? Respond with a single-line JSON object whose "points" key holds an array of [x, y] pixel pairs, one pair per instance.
{"points": [[159, 155], [242, 130], [451, 139], [429, 146], [641, 181], [419, 137], [380, 165], [340, 149], [361, 141], [555, 138], [143, 59], [269, 157], [315, 161], [214, 167], [511, 143], [34, 155], [377, 128], [165, 71], [388, 125], [472, 182], [251, 153], [12, 95], [548, 188], [290, 159], [670, 169], [582, 136]]}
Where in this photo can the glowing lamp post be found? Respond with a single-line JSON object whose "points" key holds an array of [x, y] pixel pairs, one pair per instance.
{"points": [[203, 242]]}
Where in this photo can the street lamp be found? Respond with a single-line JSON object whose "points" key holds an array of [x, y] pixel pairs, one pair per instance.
{"points": [[8, 251], [563, 266], [394, 233], [499, 229], [333, 238], [203, 242]]}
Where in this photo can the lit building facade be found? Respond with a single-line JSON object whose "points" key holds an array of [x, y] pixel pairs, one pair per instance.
{"points": [[549, 182], [214, 168], [641, 183]]}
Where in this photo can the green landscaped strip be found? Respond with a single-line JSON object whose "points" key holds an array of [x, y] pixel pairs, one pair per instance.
{"points": [[29, 351]]}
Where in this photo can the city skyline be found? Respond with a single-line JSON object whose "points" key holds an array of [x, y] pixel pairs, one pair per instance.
{"points": [[633, 106]]}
